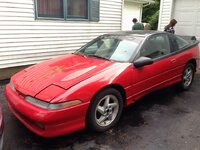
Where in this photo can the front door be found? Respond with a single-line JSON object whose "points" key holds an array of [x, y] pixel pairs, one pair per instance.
{"points": [[158, 74]]}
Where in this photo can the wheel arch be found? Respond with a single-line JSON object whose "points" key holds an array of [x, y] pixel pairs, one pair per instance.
{"points": [[118, 88], [193, 61], [187, 79]]}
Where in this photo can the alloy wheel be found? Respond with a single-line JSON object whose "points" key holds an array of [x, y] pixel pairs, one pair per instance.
{"points": [[106, 110], [188, 76]]}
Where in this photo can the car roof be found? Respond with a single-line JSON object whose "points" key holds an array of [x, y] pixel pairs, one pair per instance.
{"points": [[134, 33]]}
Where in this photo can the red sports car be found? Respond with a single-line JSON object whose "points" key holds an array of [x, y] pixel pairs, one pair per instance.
{"points": [[1, 128], [92, 86]]}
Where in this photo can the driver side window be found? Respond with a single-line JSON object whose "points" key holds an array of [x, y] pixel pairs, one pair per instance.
{"points": [[156, 46]]}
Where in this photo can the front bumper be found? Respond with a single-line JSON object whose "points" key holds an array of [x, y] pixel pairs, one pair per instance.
{"points": [[46, 123]]}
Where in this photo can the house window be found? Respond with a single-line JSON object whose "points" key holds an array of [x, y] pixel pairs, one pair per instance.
{"points": [[50, 8], [77, 9], [67, 9]]}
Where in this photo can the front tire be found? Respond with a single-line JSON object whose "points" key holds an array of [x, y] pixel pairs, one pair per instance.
{"points": [[187, 76], [105, 110]]}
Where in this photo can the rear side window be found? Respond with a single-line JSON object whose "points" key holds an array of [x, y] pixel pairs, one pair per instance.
{"points": [[181, 42]]}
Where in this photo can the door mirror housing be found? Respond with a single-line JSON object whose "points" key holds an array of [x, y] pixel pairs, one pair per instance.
{"points": [[142, 61]]}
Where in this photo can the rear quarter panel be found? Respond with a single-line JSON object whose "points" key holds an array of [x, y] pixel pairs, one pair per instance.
{"points": [[184, 56], [198, 58]]}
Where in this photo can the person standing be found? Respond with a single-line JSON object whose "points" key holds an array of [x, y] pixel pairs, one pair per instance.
{"points": [[170, 27], [137, 25]]}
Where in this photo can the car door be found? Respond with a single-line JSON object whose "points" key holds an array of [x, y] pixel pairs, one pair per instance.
{"points": [[161, 72]]}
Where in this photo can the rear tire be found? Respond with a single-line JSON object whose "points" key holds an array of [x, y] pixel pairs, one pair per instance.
{"points": [[187, 76], [105, 110]]}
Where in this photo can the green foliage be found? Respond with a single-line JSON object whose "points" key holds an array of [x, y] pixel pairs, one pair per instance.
{"points": [[154, 20], [151, 14]]}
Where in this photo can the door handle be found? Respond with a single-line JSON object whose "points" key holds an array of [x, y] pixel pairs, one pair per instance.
{"points": [[173, 60]]}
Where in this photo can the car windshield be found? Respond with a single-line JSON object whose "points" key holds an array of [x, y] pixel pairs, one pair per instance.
{"points": [[111, 48]]}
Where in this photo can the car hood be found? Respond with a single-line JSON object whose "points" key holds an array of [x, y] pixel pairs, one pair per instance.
{"points": [[63, 72]]}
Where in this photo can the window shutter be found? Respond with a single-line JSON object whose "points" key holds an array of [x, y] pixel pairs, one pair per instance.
{"points": [[94, 10]]}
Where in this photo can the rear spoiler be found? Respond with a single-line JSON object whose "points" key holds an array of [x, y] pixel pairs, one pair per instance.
{"points": [[188, 38]]}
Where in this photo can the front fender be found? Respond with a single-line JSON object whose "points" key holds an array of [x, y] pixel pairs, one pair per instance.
{"points": [[86, 89]]}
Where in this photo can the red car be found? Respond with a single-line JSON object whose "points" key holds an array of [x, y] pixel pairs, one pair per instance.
{"points": [[92, 86], [1, 128]]}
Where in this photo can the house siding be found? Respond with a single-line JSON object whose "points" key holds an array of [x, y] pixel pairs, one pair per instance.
{"points": [[165, 13], [25, 41]]}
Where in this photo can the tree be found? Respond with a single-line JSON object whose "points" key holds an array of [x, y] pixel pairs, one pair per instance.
{"points": [[151, 14]]}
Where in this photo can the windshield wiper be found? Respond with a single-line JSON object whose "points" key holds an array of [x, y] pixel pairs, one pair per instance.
{"points": [[97, 56]]}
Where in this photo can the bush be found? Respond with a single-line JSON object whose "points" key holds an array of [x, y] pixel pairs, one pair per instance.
{"points": [[151, 14], [154, 21]]}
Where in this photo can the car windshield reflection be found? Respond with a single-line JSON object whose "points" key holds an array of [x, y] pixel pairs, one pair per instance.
{"points": [[110, 48]]}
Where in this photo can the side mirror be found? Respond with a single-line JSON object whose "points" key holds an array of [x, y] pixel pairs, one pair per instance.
{"points": [[142, 61]]}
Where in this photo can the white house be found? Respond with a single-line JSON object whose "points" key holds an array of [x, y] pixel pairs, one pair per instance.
{"points": [[35, 30], [187, 14], [132, 9]]}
